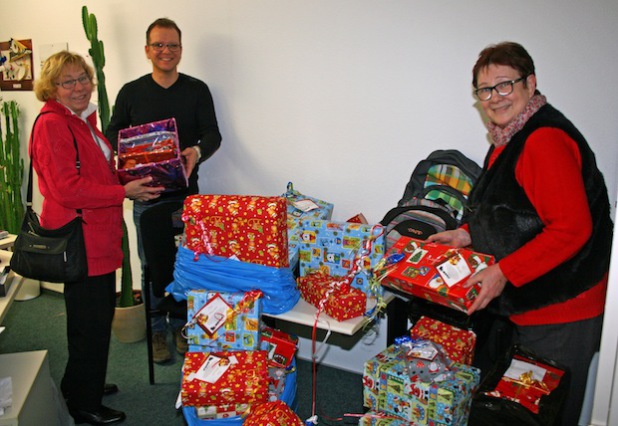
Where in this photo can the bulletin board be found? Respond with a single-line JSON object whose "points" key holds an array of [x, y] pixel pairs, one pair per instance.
{"points": [[16, 65]]}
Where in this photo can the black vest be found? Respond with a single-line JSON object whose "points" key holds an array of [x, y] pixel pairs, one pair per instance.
{"points": [[501, 219]]}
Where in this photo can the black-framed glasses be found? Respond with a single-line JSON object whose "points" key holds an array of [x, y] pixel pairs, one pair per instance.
{"points": [[504, 88], [159, 47], [70, 84]]}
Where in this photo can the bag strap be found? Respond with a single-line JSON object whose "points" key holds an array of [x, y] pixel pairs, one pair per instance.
{"points": [[77, 162]]}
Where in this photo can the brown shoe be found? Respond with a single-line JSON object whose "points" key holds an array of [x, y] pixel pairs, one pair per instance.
{"points": [[181, 343], [160, 351]]}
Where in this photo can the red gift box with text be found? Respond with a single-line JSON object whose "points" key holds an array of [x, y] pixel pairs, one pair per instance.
{"points": [[457, 343], [242, 379], [342, 302], [281, 347], [435, 272], [249, 228]]}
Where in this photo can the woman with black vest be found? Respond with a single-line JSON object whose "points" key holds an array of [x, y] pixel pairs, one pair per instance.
{"points": [[541, 208]]}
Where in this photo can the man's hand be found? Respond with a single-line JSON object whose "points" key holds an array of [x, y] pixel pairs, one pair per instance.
{"points": [[189, 157], [456, 238]]}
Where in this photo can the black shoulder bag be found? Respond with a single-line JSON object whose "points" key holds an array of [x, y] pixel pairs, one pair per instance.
{"points": [[52, 255]]}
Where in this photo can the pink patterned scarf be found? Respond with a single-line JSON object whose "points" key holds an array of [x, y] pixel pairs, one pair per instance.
{"points": [[502, 136]]}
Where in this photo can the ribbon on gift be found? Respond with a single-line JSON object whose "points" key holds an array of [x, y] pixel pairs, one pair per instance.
{"points": [[527, 380]]}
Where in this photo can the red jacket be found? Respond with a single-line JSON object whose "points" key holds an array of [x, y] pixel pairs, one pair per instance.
{"points": [[95, 188]]}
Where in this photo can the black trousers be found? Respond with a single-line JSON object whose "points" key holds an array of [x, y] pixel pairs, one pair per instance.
{"points": [[90, 306], [572, 345]]}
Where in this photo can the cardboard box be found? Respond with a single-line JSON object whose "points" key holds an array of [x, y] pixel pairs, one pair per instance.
{"points": [[435, 272], [244, 227], [152, 149]]}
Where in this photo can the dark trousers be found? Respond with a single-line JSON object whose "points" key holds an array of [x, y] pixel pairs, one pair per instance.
{"points": [[90, 308], [573, 345]]}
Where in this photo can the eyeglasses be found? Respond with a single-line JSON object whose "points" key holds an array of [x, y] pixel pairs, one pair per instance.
{"points": [[159, 47], [84, 80], [504, 88]]}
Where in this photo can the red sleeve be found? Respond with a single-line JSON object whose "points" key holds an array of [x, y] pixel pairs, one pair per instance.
{"points": [[549, 170]]}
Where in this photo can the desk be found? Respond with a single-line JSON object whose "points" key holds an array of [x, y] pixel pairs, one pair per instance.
{"points": [[303, 313], [33, 401], [6, 301], [7, 242]]}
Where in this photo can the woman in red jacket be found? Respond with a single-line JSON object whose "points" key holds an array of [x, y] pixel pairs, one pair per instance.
{"points": [[541, 208], [66, 85]]}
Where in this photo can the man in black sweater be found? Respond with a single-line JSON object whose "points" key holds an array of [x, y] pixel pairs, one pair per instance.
{"points": [[163, 94]]}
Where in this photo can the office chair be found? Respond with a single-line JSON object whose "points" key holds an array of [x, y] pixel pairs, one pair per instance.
{"points": [[160, 225]]}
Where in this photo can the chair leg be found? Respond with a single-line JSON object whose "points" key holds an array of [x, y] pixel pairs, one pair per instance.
{"points": [[147, 301]]}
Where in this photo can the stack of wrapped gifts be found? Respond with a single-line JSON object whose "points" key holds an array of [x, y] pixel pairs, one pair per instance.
{"points": [[233, 267]]}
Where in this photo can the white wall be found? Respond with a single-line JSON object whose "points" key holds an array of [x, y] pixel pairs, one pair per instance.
{"points": [[344, 97]]}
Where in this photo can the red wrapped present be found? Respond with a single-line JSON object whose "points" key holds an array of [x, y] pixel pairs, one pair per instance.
{"points": [[330, 293], [219, 378], [281, 347], [435, 272], [248, 228], [274, 413], [457, 343], [526, 381]]}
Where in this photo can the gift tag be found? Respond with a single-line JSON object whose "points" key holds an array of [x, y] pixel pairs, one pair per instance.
{"points": [[213, 368], [454, 269], [213, 315], [518, 368], [305, 205]]}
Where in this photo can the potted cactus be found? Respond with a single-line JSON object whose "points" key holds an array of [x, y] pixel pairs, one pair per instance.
{"points": [[11, 170], [129, 320]]}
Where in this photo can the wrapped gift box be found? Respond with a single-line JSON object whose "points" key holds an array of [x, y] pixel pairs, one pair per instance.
{"points": [[249, 228], [272, 413], [526, 381], [281, 347], [152, 149], [332, 247], [457, 343], [219, 378], [223, 321], [373, 418], [389, 388], [435, 272], [222, 411], [294, 231], [343, 302], [305, 207]]}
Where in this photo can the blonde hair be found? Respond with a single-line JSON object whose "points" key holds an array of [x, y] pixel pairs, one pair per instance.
{"points": [[45, 86]]}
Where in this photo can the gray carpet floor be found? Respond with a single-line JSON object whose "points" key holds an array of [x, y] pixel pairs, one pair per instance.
{"points": [[40, 324]]}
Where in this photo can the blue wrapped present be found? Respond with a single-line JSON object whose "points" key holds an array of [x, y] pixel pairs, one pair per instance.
{"points": [[335, 247], [223, 321]]}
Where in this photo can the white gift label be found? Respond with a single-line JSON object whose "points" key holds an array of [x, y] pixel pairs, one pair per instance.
{"points": [[213, 314], [454, 269], [305, 205]]}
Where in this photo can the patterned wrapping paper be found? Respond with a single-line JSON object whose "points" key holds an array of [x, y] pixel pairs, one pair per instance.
{"points": [[387, 388], [331, 247], [151, 149], [343, 303], [250, 228], [224, 411], [271, 414], [527, 381], [294, 231], [241, 328], [435, 272], [281, 347], [244, 382], [457, 343], [373, 418]]}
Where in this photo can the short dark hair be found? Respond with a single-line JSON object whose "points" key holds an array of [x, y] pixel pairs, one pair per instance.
{"points": [[163, 23], [506, 53]]}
